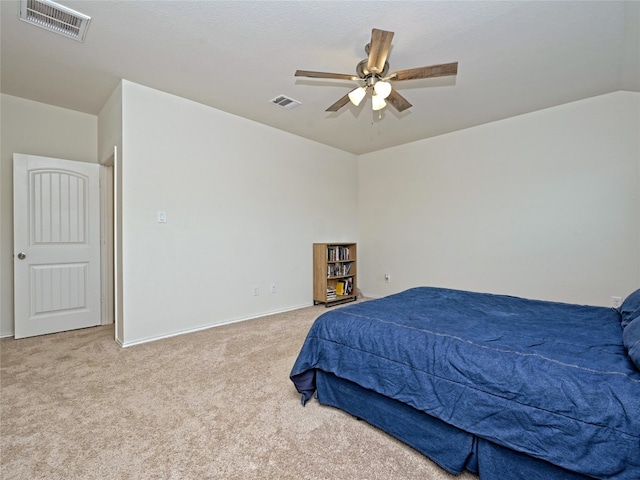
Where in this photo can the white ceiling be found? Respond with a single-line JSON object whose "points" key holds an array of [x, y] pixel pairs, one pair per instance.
{"points": [[514, 57]]}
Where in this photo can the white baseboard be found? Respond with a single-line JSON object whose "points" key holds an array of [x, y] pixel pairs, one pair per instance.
{"points": [[211, 325]]}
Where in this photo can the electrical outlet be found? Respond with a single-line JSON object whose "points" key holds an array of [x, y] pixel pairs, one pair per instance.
{"points": [[256, 290], [616, 301], [387, 278], [273, 288]]}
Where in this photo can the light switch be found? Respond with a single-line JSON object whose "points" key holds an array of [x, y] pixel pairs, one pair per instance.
{"points": [[162, 217]]}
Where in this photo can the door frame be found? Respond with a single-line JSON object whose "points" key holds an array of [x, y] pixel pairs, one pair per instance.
{"points": [[107, 242]]}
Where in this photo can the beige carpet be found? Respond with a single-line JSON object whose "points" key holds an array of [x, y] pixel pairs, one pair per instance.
{"points": [[212, 404]]}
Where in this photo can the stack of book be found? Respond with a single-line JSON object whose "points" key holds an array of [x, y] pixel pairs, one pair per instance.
{"points": [[331, 293]]}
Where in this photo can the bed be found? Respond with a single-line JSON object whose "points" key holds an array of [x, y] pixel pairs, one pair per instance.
{"points": [[502, 386]]}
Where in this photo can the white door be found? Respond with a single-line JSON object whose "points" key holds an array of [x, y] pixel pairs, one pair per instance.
{"points": [[56, 239]]}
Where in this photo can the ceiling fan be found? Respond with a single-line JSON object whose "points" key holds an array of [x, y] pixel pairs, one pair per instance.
{"points": [[373, 72]]}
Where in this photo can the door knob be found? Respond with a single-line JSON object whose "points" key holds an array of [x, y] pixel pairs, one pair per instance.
{"points": [[22, 256]]}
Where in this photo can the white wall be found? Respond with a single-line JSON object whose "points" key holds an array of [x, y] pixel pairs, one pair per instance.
{"points": [[244, 204], [544, 205], [37, 129], [110, 125]]}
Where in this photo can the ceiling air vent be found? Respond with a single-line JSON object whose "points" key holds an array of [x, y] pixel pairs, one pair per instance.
{"points": [[285, 102], [55, 17]]}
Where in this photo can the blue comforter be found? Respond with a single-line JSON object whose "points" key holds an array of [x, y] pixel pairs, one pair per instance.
{"points": [[551, 380]]}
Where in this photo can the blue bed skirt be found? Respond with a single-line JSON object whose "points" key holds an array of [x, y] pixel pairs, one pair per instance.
{"points": [[451, 448]]}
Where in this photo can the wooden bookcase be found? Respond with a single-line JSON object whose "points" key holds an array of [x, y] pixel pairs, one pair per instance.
{"points": [[334, 273]]}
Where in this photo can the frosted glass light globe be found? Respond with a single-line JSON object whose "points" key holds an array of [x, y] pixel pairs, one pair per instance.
{"points": [[382, 88]]}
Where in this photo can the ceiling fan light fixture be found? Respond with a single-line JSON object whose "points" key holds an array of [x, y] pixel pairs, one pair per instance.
{"points": [[377, 102], [357, 94], [382, 88], [372, 71]]}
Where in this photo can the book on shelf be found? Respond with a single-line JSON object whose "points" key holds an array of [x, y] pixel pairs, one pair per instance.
{"points": [[338, 269], [337, 254], [348, 286]]}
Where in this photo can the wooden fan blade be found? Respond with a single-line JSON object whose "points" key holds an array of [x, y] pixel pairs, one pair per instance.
{"points": [[379, 50], [443, 70], [339, 104], [397, 101], [335, 76]]}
